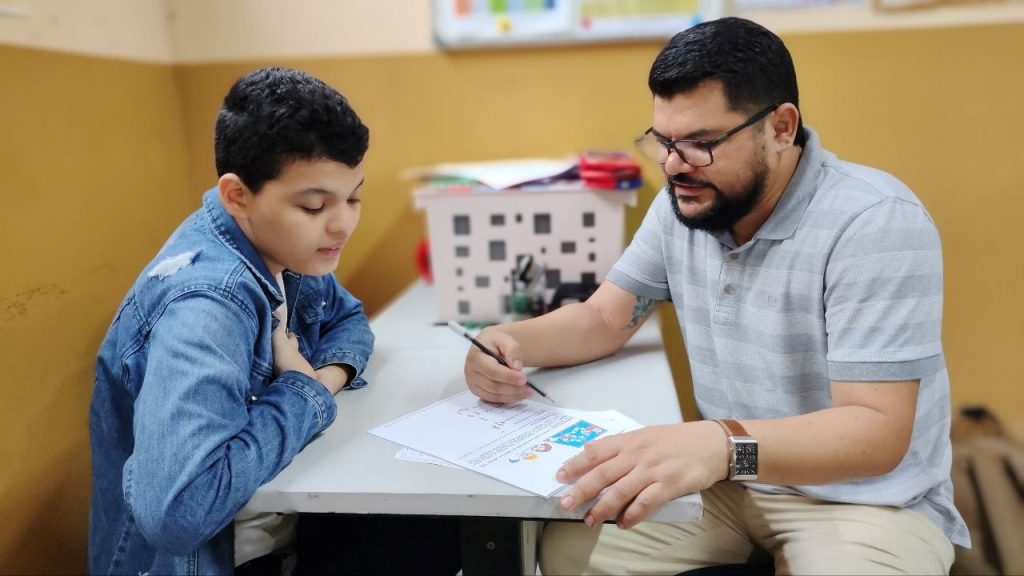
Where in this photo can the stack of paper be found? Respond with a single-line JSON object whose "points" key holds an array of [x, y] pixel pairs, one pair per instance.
{"points": [[501, 174], [521, 444]]}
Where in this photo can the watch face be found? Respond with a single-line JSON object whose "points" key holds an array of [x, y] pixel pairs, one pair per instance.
{"points": [[746, 457]]}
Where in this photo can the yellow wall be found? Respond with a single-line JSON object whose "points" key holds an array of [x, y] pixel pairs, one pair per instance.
{"points": [[105, 157], [93, 179]]}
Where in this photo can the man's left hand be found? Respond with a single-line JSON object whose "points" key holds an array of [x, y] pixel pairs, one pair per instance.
{"points": [[639, 471]]}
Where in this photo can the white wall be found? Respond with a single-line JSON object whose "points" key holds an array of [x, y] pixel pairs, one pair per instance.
{"points": [[126, 29], [194, 31], [197, 31], [230, 30]]}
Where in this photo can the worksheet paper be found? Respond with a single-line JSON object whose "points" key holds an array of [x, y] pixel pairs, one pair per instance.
{"points": [[411, 455], [503, 174], [521, 444]]}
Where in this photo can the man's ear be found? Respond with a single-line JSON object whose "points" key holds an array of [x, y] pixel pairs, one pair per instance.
{"points": [[234, 195], [784, 123]]}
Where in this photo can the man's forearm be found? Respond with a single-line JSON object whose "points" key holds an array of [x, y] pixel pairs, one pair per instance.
{"points": [[573, 334], [832, 445]]}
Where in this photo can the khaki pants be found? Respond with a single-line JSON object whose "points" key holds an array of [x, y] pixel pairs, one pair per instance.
{"points": [[804, 536]]}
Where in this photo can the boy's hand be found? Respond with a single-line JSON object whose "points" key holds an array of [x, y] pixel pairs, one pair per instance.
{"points": [[335, 376], [491, 381], [286, 353]]}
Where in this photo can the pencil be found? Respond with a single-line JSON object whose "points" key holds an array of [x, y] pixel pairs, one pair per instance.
{"points": [[458, 329]]}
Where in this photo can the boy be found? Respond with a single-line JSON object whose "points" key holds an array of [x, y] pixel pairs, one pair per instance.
{"points": [[223, 359]]}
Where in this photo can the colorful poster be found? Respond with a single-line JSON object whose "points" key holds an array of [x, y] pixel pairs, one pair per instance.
{"points": [[495, 22], [467, 23]]}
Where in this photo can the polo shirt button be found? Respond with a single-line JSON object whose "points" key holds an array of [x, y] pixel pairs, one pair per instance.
{"points": [[734, 256], [728, 289]]}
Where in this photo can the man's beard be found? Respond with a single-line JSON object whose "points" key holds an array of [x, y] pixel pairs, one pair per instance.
{"points": [[724, 211]]}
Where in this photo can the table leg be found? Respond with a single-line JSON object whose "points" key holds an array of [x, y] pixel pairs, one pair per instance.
{"points": [[499, 546]]}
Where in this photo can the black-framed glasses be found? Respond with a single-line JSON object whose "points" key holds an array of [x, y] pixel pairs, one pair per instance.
{"points": [[696, 153]]}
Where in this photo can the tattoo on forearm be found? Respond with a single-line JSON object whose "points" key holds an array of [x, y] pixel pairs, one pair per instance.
{"points": [[642, 308]]}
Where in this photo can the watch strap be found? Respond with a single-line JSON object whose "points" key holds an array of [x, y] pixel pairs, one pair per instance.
{"points": [[734, 430], [732, 427]]}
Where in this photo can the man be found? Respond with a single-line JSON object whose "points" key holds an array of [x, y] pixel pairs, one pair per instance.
{"points": [[810, 296]]}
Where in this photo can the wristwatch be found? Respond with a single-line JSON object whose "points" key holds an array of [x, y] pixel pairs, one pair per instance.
{"points": [[742, 450]]}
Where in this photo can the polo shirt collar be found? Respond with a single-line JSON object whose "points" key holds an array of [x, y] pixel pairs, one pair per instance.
{"points": [[786, 216]]}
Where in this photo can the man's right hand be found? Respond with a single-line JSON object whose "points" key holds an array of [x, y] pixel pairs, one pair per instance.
{"points": [[490, 380]]}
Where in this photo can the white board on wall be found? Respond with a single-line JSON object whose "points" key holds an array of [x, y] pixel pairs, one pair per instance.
{"points": [[479, 23]]}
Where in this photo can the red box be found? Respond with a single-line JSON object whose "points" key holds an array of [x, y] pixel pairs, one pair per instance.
{"points": [[607, 161]]}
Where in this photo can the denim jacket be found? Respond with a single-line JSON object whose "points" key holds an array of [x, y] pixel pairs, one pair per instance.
{"points": [[187, 419]]}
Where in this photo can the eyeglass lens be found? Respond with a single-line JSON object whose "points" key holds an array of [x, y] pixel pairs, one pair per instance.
{"points": [[691, 152]]}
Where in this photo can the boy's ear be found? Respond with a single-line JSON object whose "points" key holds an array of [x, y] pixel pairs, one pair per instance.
{"points": [[234, 195]]}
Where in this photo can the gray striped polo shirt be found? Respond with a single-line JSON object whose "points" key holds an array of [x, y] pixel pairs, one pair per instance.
{"points": [[842, 282]]}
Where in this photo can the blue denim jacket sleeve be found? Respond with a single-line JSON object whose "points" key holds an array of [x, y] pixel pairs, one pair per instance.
{"points": [[201, 447], [345, 336]]}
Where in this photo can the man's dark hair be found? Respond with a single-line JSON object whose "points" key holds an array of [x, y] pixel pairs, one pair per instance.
{"points": [[752, 63], [274, 116]]}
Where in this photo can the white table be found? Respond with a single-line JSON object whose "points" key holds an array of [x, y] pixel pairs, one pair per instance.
{"points": [[416, 363]]}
